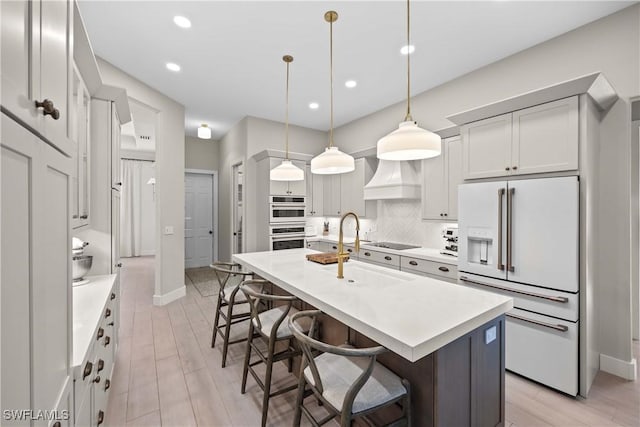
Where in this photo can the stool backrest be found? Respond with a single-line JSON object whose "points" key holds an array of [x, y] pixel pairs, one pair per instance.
{"points": [[254, 291], [227, 270], [308, 343]]}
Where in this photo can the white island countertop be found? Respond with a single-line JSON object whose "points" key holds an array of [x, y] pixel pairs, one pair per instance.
{"points": [[410, 315]]}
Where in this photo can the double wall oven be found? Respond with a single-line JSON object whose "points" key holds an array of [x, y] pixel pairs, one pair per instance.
{"points": [[286, 222]]}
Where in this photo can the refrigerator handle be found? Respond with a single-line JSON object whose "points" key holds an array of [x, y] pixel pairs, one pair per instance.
{"points": [[510, 266], [500, 197]]}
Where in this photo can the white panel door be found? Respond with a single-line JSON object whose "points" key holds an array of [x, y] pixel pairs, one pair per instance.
{"points": [[545, 232], [481, 220], [198, 220]]}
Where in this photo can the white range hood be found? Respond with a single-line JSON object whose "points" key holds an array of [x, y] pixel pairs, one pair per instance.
{"points": [[393, 180]]}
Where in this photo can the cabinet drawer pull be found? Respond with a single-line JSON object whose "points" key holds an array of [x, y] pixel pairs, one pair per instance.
{"points": [[100, 333], [110, 324], [413, 263], [107, 313], [367, 254], [107, 340], [349, 250], [97, 379], [100, 417], [88, 368], [100, 365], [388, 258], [48, 109], [107, 385], [441, 215], [562, 300], [119, 264], [514, 168], [113, 295], [445, 269], [507, 168], [74, 217], [561, 328], [84, 216], [334, 247]]}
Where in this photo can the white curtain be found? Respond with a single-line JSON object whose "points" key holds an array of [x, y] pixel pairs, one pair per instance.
{"points": [[130, 209]]}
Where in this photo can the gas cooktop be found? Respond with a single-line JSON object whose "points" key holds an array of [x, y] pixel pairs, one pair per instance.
{"points": [[391, 245]]}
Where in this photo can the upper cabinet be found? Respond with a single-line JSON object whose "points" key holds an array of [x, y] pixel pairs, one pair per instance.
{"points": [[442, 175], [345, 192], [315, 193], [543, 138], [291, 188], [36, 65], [80, 117]]}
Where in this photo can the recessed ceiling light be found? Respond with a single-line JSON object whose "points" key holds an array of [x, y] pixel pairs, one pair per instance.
{"points": [[173, 66], [351, 84], [182, 22], [314, 105], [204, 131], [407, 49]]}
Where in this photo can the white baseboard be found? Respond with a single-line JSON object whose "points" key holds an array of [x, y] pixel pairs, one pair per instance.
{"points": [[170, 296], [617, 367]]}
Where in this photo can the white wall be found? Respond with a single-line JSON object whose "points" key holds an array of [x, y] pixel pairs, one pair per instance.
{"points": [[201, 153], [169, 274], [609, 45], [148, 210]]}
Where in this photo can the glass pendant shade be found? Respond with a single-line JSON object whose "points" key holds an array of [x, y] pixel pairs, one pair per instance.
{"points": [[204, 132], [409, 142], [286, 171], [332, 161]]}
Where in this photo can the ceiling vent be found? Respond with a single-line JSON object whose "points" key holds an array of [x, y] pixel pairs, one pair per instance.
{"points": [[393, 180]]}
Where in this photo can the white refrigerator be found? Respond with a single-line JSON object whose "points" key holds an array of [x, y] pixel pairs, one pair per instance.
{"points": [[521, 238]]}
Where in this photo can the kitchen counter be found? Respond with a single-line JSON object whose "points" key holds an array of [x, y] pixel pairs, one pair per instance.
{"points": [[429, 254], [411, 315], [89, 301]]}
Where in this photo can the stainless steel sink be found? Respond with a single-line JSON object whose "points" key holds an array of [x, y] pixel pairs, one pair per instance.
{"points": [[392, 245]]}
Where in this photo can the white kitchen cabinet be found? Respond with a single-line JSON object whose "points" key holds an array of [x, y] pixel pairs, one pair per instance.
{"points": [[36, 64], [35, 265], [437, 270], [345, 192], [115, 231], [315, 193], [543, 138], [80, 115], [292, 188], [116, 177], [441, 177]]}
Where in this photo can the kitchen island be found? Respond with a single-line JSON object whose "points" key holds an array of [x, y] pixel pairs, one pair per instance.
{"points": [[447, 340]]}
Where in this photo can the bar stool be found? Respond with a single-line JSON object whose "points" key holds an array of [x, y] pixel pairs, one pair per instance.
{"points": [[273, 326], [348, 381], [229, 297]]}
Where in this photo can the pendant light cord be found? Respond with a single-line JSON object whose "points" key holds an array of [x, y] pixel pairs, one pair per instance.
{"points": [[286, 127], [331, 79], [408, 116]]}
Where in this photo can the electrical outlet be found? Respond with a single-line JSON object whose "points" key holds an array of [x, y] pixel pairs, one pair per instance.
{"points": [[168, 230], [490, 335]]}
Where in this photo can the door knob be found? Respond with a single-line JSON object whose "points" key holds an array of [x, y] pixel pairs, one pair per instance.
{"points": [[210, 231], [48, 109]]}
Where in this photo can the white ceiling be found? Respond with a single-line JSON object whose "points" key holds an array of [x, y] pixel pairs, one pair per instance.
{"points": [[231, 57]]}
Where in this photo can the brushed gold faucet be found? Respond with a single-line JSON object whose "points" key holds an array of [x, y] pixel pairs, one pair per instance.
{"points": [[341, 253]]}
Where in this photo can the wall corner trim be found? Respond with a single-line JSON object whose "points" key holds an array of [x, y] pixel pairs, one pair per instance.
{"points": [[621, 368], [170, 296]]}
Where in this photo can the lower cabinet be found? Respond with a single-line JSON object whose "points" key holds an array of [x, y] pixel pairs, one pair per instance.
{"points": [[92, 378], [437, 270]]}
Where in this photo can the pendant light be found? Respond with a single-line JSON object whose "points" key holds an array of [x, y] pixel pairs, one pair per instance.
{"points": [[286, 171], [204, 131], [409, 142], [332, 161]]}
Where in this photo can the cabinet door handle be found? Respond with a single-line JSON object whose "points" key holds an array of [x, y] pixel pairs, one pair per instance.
{"points": [[388, 258], [334, 247], [84, 216], [413, 263], [100, 417], [445, 214], [107, 313], [113, 295], [110, 324], [97, 379], [514, 168], [48, 109], [107, 340], [75, 217], [440, 214], [367, 254], [107, 385], [88, 368], [445, 269], [507, 168], [119, 184], [100, 365], [561, 328], [100, 333], [119, 264], [349, 250]]}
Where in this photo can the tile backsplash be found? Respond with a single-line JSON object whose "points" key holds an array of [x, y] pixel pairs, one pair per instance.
{"points": [[397, 221]]}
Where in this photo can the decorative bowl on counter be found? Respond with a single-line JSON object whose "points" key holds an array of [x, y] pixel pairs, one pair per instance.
{"points": [[80, 266]]}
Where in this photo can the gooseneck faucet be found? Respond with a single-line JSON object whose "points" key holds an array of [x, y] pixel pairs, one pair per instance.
{"points": [[341, 253]]}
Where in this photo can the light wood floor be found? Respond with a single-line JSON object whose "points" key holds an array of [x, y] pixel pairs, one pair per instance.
{"points": [[167, 374]]}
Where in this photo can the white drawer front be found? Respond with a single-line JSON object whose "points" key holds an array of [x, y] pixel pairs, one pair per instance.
{"points": [[541, 351], [388, 260], [429, 267], [563, 305]]}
